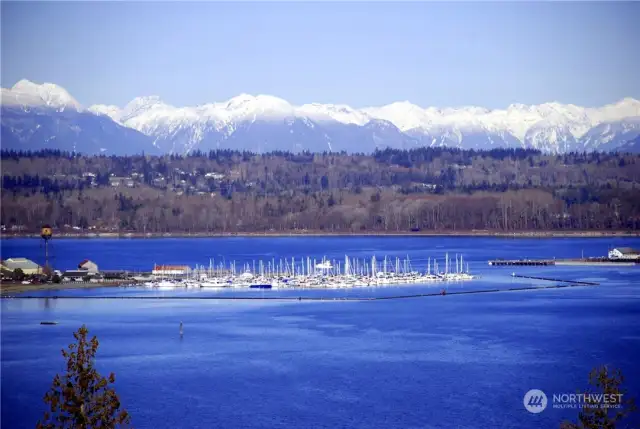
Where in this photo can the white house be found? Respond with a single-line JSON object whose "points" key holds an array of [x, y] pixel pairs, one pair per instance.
{"points": [[624, 253], [89, 266], [216, 176]]}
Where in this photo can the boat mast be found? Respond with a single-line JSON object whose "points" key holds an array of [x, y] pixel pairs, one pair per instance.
{"points": [[446, 263]]}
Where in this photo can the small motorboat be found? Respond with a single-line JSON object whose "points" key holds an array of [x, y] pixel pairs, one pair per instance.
{"points": [[48, 323], [260, 286]]}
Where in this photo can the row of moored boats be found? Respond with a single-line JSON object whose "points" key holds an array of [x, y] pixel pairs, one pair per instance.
{"points": [[314, 274]]}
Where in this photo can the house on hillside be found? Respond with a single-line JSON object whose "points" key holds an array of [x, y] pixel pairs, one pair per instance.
{"points": [[89, 266], [215, 176], [121, 181], [624, 253]]}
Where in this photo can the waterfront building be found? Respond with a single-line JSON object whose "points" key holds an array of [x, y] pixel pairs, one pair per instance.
{"points": [[27, 266], [89, 266], [624, 253], [74, 275], [170, 270]]}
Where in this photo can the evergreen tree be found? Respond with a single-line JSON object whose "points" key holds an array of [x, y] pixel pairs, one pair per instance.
{"points": [[596, 416], [82, 398]]}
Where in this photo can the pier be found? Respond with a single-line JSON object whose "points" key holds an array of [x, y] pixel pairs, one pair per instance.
{"points": [[522, 262], [569, 262]]}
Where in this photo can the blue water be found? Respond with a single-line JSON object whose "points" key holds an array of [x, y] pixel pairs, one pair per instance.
{"points": [[456, 361]]}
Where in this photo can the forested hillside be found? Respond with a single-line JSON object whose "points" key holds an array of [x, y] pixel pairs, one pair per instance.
{"points": [[429, 189]]}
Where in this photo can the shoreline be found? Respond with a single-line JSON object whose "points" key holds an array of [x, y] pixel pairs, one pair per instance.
{"points": [[7, 290], [472, 233]]}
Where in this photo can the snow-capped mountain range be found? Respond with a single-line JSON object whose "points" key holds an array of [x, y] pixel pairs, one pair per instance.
{"points": [[36, 115]]}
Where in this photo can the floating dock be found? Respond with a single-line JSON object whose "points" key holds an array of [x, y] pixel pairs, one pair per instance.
{"points": [[566, 262]]}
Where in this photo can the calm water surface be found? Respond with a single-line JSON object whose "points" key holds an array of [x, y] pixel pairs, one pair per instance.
{"points": [[456, 361]]}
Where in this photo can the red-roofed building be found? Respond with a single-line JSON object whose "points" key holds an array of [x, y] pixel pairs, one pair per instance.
{"points": [[170, 270]]}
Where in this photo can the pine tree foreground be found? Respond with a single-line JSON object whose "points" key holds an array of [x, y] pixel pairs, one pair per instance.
{"points": [[82, 398], [607, 382]]}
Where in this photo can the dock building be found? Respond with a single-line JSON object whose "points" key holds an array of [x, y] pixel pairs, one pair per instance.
{"points": [[624, 253], [27, 266], [89, 266], [170, 270]]}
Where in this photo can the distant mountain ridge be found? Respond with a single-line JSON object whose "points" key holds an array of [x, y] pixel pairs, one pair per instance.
{"points": [[47, 117], [263, 122]]}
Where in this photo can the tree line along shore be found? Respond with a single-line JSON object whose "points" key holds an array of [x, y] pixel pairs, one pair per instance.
{"points": [[516, 234], [427, 191]]}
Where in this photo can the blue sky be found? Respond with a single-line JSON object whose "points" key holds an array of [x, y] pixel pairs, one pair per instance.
{"points": [[361, 54]]}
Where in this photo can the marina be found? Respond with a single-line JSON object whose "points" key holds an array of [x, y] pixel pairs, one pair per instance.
{"points": [[309, 273]]}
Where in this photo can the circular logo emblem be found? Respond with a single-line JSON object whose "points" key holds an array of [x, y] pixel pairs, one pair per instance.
{"points": [[535, 401]]}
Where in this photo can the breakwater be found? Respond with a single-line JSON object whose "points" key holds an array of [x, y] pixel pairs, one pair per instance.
{"points": [[575, 282], [308, 298]]}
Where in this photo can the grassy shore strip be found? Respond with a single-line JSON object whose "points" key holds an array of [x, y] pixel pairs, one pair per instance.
{"points": [[7, 289], [472, 233]]}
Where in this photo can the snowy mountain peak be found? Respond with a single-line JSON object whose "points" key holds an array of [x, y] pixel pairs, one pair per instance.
{"points": [[517, 106], [628, 101], [245, 105], [144, 103], [140, 105], [334, 112], [403, 114], [553, 126], [24, 85], [29, 94], [406, 104], [102, 109], [628, 105]]}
